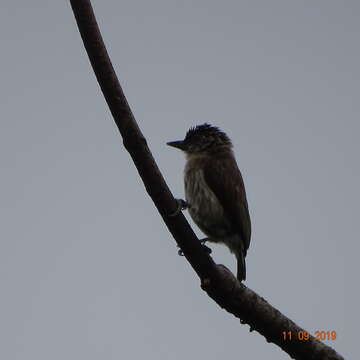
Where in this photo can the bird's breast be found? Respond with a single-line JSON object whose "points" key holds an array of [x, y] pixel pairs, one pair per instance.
{"points": [[205, 209]]}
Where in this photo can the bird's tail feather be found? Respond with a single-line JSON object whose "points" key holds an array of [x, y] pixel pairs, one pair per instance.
{"points": [[241, 266]]}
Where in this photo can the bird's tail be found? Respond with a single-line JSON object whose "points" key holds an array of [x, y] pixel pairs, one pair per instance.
{"points": [[241, 266]]}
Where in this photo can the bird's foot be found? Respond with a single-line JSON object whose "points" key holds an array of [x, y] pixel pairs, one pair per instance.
{"points": [[207, 249], [181, 205], [202, 242]]}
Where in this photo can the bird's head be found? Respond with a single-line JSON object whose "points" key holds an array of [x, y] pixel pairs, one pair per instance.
{"points": [[203, 139]]}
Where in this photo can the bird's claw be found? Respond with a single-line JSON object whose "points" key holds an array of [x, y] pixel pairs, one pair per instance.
{"points": [[207, 249], [202, 242], [181, 205]]}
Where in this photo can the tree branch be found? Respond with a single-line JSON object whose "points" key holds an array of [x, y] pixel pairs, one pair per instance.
{"points": [[216, 280]]}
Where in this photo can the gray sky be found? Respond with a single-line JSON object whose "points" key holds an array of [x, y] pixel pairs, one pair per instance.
{"points": [[87, 268]]}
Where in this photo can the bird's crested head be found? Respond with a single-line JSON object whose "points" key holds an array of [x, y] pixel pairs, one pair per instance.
{"points": [[203, 138]]}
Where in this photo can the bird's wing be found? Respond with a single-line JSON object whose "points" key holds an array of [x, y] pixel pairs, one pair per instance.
{"points": [[223, 177]]}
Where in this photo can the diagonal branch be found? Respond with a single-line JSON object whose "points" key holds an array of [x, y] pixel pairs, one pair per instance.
{"points": [[216, 280]]}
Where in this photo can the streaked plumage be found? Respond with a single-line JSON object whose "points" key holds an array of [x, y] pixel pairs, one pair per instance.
{"points": [[215, 190]]}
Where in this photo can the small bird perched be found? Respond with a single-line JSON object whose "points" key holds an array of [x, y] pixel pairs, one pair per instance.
{"points": [[215, 191]]}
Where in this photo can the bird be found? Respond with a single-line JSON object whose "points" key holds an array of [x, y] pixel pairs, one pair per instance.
{"points": [[214, 190]]}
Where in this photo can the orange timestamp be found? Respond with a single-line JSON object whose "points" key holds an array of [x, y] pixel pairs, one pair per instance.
{"points": [[305, 335]]}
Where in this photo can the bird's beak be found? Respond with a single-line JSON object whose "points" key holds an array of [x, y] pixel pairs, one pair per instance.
{"points": [[180, 144]]}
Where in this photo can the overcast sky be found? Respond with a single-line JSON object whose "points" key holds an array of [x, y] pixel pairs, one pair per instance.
{"points": [[87, 268]]}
